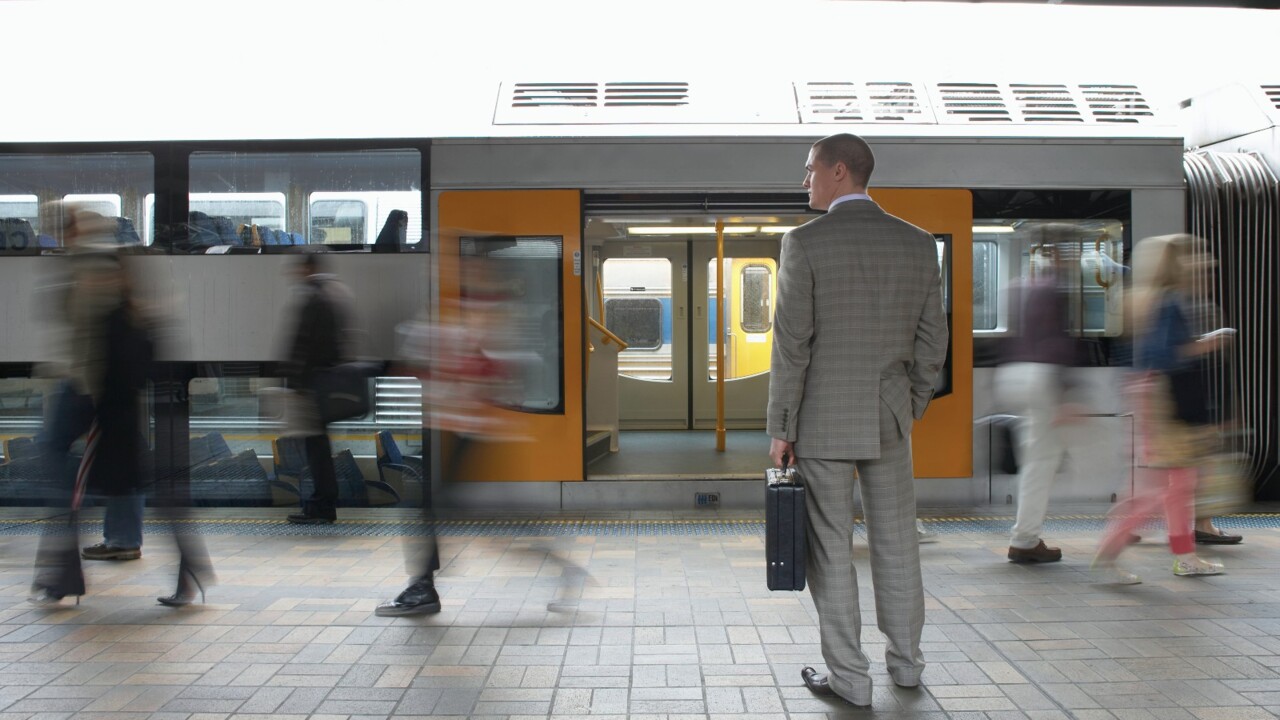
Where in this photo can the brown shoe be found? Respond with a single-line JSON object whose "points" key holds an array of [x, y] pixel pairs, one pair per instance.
{"points": [[1039, 554]]}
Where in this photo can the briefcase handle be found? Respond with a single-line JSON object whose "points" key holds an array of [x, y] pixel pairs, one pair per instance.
{"points": [[789, 476]]}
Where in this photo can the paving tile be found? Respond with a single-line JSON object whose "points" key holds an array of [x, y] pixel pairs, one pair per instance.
{"points": [[641, 627]]}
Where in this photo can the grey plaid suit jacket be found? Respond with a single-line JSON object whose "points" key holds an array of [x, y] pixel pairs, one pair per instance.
{"points": [[859, 321]]}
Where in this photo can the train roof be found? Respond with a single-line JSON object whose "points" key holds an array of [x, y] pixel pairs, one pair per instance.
{"points": [[283, 70]]}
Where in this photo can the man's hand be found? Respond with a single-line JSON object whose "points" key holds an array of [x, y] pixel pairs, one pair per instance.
{"points": [[779, 448]]}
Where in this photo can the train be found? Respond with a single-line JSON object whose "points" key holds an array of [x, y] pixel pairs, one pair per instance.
{"points": [[643, 217]]}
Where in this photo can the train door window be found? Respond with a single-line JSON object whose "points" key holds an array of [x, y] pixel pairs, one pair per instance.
{"points": [[333, 198], [35, 189], [516, 286], [637, 308], [986, 282], [757, 299], [748, 300]]}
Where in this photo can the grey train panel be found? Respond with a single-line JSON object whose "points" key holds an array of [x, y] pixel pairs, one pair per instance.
{"points": [[219, 308], [764, 164]]}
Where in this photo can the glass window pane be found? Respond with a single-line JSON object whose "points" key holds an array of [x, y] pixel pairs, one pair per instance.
{"points": [[334, 198], [36, 192], [637, 308], [523, 274], [748, 304], [1085, 256], [757, 300], [986, 278]]}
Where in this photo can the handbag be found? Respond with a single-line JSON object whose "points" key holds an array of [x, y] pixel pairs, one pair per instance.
{"points": [[1222, 487], [342, 391]]}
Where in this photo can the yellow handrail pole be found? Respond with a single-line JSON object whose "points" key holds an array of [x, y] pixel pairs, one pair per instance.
{"points": [[608, 334], [599, 292], [720, 365]]}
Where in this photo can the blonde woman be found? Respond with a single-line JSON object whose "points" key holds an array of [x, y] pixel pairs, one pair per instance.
{"points": [[1172, 413]]}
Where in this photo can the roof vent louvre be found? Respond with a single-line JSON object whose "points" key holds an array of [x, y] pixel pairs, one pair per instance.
{"points": [[1116, 103], [1045, 103], [646, 94], [1273, 94], [861, 102], [532, 95], [973, 102]]}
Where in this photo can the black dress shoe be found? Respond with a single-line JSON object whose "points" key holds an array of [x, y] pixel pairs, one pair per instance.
{"points": [[1204, 538], [819, 685], [419, 598], [817, 682]]}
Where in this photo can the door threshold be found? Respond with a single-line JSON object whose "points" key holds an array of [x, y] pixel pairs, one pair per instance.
{"points": [[638, 477]]}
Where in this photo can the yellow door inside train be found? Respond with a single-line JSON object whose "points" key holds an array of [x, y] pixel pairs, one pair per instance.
{"points": [[528, 247]]}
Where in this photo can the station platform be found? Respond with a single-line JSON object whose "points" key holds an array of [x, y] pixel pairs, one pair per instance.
{"points": [[644, 615]]}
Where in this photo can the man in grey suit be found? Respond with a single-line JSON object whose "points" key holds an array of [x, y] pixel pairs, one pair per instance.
{"points": [[859, 339]]}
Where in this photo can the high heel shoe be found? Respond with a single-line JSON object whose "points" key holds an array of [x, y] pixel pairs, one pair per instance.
{"points": [[184, 596], [46, 597]]}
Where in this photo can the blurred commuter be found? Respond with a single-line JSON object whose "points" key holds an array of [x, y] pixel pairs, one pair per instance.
{"points": [[1174, 420], [322, 337], [1035, 382], [114, 464], [860, 338], [1206, 317], [462, 385], [93, 306]]}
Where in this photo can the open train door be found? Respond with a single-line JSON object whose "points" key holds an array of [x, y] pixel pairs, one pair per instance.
{"points": [[942, 442], [531, 245]]}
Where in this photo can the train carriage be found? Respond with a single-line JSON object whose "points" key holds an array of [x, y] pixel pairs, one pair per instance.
{"points": [[643, 211]]}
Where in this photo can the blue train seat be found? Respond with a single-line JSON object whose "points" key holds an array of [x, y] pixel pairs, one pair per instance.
{"points": [[402, 472], [294, 477], [237, 481], [125, 232], [297, 239]]}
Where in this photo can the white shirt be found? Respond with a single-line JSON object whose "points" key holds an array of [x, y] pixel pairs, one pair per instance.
{"points": [[844, 198]]}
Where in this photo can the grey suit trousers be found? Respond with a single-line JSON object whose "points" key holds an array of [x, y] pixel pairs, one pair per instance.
{"points": [[887, 486]]}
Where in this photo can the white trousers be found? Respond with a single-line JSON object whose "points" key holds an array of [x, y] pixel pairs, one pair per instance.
{"points": [[1032, 391]]}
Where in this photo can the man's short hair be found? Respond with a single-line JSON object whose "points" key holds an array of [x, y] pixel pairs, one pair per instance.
{"points": [[852, 151]]}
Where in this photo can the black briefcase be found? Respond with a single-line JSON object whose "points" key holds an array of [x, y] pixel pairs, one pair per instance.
{"points": [[786, 528]]}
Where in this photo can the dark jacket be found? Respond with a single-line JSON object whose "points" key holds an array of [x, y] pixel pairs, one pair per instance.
{"points": [[120, 464], [322, 336]]}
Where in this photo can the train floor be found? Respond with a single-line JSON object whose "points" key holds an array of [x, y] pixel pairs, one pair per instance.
{"points": [[683, 454], [643, 615]]}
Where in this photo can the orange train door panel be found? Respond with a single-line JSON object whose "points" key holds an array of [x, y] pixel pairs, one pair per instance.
{"points": [[942, 442], [544, 440]]}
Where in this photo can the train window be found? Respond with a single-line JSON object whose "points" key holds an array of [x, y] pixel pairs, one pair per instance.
{"points": [[638, 321], [757, 299], [34, 188], [986, 283], [637, 308], [107, 204], [524, 275], [334, 198], [382, 217]]}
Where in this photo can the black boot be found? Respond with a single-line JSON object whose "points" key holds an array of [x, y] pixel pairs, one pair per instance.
{"points": [[420, 598]]}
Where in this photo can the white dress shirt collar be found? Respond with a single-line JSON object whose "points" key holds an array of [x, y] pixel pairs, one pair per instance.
{"points": [[845, 198]]}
